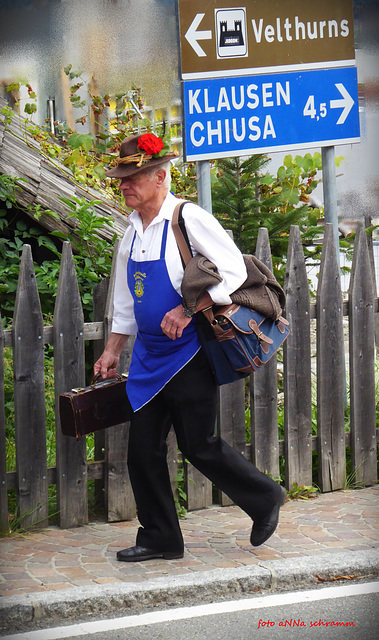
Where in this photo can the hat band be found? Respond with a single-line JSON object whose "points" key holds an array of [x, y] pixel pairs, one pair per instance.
{"points": [[138, 158]]}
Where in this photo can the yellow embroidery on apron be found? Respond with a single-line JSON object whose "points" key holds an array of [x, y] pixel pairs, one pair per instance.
{"points": [[138, 284]]}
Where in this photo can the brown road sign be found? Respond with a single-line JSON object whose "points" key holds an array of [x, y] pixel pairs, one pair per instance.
{"points": [[233, 37]]}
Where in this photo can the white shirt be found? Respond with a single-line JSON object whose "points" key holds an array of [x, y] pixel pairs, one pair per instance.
{"points": [[206, 236]]}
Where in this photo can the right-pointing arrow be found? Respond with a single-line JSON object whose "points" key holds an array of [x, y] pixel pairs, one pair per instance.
{"points": [[193, 35], [345, 103]]}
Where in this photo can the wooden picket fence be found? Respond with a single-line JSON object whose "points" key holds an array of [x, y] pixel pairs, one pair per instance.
{"points": [[323, 318]]}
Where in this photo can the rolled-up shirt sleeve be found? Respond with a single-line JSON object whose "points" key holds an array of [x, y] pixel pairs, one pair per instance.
{"points": [[123, 313], [210, 239]]}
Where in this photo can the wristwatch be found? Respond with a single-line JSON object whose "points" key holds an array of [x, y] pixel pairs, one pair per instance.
{"points": [[187, 312]]}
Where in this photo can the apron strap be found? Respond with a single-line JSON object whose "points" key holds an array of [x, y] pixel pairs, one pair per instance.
{"points": [[164, 240], [132, 245]]}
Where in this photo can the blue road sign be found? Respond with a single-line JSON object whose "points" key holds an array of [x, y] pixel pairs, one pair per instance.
{"points": [[226, 117]]}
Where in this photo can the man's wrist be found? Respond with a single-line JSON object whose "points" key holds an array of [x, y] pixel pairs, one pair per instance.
{"points": [[187, 312], [116, 344]]}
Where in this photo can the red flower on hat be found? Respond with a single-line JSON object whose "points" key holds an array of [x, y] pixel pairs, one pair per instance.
{"points": [[150, 143]]}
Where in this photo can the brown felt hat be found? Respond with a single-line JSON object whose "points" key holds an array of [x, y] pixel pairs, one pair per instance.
{"points": [[134, 159]]}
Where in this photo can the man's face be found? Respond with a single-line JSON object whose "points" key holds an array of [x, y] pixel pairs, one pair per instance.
{"points": [[138, 190]]}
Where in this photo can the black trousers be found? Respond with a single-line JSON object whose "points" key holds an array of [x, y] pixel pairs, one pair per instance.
{"points": [[189, 403]]}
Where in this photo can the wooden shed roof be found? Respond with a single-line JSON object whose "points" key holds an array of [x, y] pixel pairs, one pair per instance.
{"points": [[48, 181]]}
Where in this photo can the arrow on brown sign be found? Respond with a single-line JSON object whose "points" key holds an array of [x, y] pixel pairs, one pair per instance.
{"points": [[192, 35]]}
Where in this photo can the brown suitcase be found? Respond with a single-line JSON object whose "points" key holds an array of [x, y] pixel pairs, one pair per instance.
{"points": [[101, 405]]}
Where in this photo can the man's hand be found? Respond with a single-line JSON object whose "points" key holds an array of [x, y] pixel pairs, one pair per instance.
{"points": [[106, 365], [174, 322], [108, 361]]}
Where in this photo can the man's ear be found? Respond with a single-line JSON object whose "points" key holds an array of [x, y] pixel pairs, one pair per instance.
{"points": [[161, 175]]}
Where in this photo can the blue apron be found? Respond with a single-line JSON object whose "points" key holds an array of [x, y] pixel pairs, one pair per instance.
{"points": [[156, 358]]}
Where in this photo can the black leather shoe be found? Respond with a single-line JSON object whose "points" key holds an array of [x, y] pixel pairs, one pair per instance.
{"points": [[263, 529], [137, 554]]}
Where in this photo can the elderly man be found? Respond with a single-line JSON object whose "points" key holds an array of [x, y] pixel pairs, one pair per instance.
{"points": [[170, 381]]}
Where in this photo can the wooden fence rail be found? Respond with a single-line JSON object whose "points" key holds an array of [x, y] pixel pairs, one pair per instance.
{"points": [[342, 371]]}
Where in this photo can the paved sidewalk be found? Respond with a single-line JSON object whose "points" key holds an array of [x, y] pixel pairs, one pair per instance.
{"points": [[311, 533]]}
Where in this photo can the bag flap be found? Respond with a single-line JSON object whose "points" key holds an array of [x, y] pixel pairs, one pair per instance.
{"points": [[243, 319]]}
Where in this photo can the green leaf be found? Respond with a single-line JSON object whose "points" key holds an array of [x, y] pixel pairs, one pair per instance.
{"points": [[59, 234], [287, 161], [30, 108], [75, 74], [312, 219], [80, 140], [86, 141], [72, 158], [294, 198], [72, 140], [99, 171], [317, 160], [266, 179], [92, 276], [14, 86], [70, 203], [7, 111], [53, 214]]}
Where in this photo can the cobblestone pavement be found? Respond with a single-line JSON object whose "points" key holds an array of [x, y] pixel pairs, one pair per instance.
{"points": [[216, 537]]}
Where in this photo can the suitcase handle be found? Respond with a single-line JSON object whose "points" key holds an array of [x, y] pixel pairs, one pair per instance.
{"points": [[98, 379]]}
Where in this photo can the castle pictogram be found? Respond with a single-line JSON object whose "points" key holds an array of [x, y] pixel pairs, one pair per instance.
{"points": [[231, 38]]}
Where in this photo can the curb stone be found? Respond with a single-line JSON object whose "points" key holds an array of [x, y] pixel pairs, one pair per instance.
{"points": [[79, 602]]}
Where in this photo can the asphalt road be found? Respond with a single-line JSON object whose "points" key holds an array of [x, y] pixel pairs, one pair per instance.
{"points": [[326, 613]]}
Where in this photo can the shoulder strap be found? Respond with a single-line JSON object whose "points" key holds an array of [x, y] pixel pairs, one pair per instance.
{"points": [[180, 233]]}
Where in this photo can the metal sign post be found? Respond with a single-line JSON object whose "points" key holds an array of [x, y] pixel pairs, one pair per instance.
{"points": [[330, 192], [204, 194]]}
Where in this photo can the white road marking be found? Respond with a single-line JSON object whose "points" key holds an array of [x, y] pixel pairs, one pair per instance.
{"points": [[186, 613]]}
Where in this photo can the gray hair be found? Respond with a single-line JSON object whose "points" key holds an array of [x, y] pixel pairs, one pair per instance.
{"points": [[166, 167]]}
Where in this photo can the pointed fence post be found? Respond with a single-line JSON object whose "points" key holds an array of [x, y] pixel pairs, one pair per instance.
{"points": [[231, 424], [362, 365], [370, 244], [29, 397], [100, 294], [297, 368], [231, 421], [69, 373], [3, 457], [197, 488], [330, 370], [119, 499], [264, 394]]}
